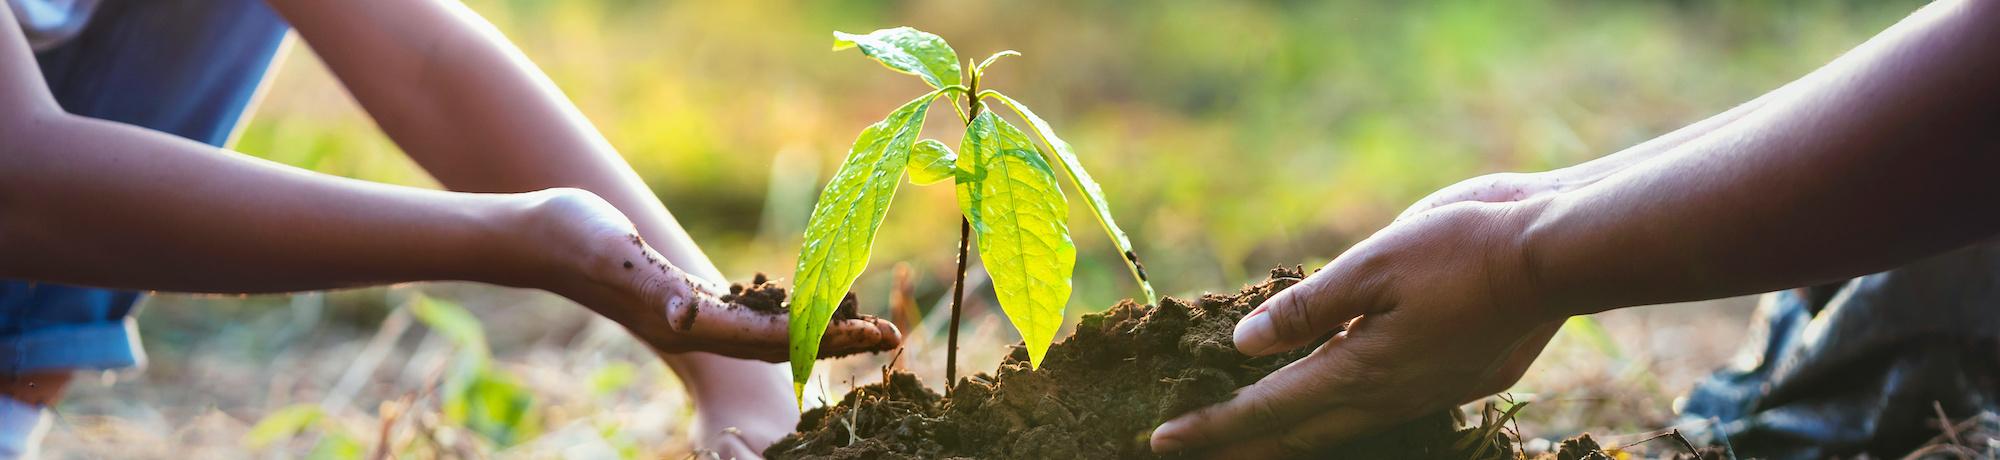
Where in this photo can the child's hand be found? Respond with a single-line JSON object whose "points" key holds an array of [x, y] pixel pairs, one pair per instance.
{"points": [[599, 260], [742, 425], [741, 407]]}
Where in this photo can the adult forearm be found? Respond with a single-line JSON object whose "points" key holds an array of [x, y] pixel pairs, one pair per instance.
{"points": [[1601, 167], [1885, 155], [93, 202]]}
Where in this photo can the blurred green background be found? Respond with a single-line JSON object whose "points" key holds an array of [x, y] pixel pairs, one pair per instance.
{"points": [[1229, 137]]}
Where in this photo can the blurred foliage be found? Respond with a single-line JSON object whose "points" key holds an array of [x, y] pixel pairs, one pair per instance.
{"points": [[477, 395], [474, 395], [283, 423], [1231, 136], [332, 442]]}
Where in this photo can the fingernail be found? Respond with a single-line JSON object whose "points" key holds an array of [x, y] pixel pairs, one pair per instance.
{"points": [[1165, 444], [891, 337], [1250, 333]]}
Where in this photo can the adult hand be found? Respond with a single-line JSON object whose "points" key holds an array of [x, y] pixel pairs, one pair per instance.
{"points": [[1511, 187], [1440, 308], [598, 259], [1498, 188]]}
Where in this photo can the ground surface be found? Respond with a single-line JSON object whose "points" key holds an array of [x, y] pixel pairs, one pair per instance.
{"points": [[209, 382], [1097, 394]]}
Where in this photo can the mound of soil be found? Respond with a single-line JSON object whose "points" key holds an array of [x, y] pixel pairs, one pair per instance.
{"points": [[1098, 395], [764, 296]]}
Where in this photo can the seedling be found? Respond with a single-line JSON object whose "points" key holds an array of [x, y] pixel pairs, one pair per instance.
{"points": [[1007, 192]]}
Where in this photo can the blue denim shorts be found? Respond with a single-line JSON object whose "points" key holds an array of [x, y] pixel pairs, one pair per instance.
{"points": [[186, 67]]}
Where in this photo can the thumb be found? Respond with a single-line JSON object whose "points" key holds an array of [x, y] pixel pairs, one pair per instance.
{"points": [[1302, 314]]}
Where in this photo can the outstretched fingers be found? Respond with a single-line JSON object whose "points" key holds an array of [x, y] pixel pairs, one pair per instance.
{"points": [[695, 318], [737, 331], [845, 337], [865, 335]]}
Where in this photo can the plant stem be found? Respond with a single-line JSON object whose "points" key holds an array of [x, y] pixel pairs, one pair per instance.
{"points": [[964, 244], [957, 296]]}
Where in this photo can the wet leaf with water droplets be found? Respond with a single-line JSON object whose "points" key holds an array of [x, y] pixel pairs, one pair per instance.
{"points": [[841, 232]]}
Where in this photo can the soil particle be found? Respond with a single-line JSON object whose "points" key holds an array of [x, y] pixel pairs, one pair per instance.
{"points": [[762, 295], [1098, 394], [690, 311], [1581, 448], [848, 308]]}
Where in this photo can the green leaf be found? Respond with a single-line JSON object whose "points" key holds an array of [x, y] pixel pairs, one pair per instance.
{"points": [[495, 407], [981, 68], [931, 162], [337, 446], [1011, 197], [841, 232], [451, 321], [462, 329], [612, 377], [907, 50], [1589, 330], [1092, 193], [282, 424]]}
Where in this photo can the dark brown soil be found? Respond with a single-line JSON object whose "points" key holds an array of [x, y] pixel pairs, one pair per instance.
{"points": [[764, 296], [1098, 395], [1580, 448]]}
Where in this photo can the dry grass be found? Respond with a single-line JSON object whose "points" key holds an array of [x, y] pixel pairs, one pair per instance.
{"points": [[208, 384]]}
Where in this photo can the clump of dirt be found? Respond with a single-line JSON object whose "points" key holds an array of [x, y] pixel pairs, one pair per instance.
{"points": [[1581, 448], [1098, 394], [764, 296]]}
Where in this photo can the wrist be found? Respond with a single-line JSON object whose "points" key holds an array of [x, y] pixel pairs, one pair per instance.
{"points": [[499, 253], [1537, 222], [572, 243], [1572, 262], [526, 245]]}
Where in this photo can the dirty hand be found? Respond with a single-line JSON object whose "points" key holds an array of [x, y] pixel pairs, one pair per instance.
{"points": [[1443, 310], [593, 255]]}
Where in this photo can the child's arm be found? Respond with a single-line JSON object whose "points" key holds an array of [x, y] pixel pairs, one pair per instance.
{"points": [[471, 109], [94, 202], [463, 102]]}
